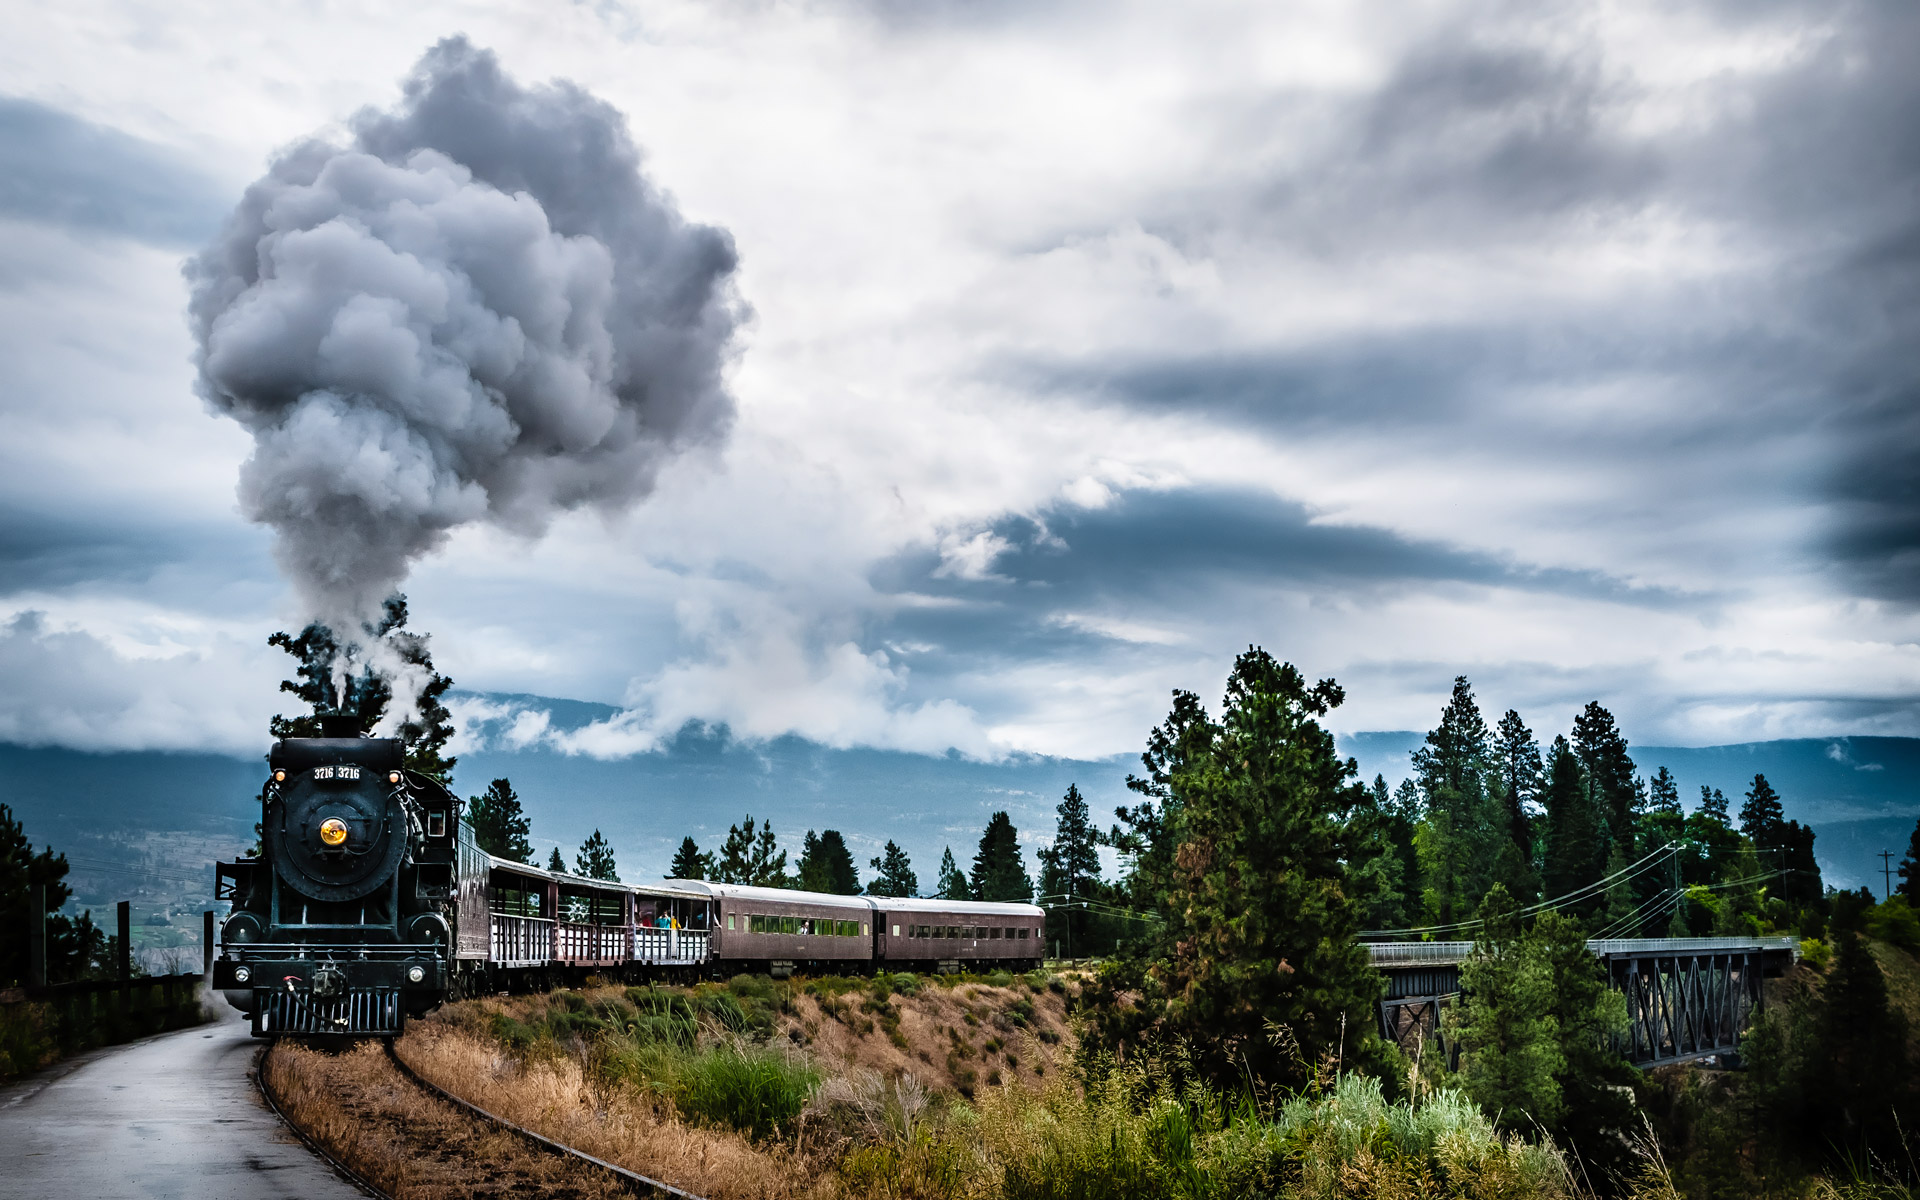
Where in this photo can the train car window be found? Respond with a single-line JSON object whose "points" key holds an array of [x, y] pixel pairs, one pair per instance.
{"points": [[1025, 932], [994, 932], [729, 920], [896, 931], [437, 824], [953, 931]]}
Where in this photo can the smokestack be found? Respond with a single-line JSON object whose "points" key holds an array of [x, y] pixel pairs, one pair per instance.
{"points": [[478, 310]]}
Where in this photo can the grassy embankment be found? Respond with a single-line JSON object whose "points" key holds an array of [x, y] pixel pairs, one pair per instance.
{"points": [[909, 1087]]}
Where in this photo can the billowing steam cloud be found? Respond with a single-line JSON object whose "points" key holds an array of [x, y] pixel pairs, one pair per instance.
{"points": [[479, 310]]}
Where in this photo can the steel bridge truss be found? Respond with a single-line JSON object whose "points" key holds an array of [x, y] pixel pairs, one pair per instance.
{"points": [[1687, 998], [1685, 1006]]}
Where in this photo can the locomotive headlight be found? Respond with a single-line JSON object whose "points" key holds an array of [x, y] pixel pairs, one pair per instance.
{"points": [[333, 831], [242, 974], [393, 777], [416, 974], [280, 776]]}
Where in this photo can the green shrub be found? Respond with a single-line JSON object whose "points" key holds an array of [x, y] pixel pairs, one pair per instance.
{"points": [[1895, 921], [754, 1089]]}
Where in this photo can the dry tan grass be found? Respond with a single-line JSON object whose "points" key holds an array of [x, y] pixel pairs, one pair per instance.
{"points": [[410, 1144], [555, 1098], [944, 1050]]}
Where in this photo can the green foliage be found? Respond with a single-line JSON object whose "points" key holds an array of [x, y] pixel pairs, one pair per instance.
{"points": [[76, 947], [1829, 1075], [555, 862], [499, 825], [826, 865], [1521, 776], [689, 862], [751, 855], [953, 884], [1070, 875], [758, 1090], [893, 873], [1132, 1133], [1241, 850], [1575, 834], [595, 860], [336, 679], [1762, 816], [1896, 923], [999, 872], [1511, 1059], [1603, 752]]}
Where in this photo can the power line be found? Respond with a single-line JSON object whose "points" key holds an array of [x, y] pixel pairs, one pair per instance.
{"points": [[1599, 885]]}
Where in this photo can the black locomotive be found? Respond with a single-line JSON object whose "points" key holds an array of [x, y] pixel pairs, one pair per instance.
{"points": [[341, 925]]}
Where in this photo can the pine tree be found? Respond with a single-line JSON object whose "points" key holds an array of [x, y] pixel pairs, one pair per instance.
{"points": [[1456, 752], [1503, 1022], [1596, 1084], [953, 885], [595, 860], [555, 862], [1603, 752], [1375, 867], [1459, 841], [1516, 756], [1910, 869], [893, 873], [1762, 818], [1664, 793], [1860, 1065], [21, 869], [826, 865], [1713, 805], [1575, 845], [1256, 927], [736, 854], [499, 826], [998, 870], [689, 862], [1070, 869], [1173, 747], [768, 865]]}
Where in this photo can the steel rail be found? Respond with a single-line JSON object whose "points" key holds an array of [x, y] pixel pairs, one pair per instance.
{"points": [[632, 1180], [259, 1073]]}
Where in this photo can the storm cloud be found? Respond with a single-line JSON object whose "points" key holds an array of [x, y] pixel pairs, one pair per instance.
{"points": [[477, 310]]}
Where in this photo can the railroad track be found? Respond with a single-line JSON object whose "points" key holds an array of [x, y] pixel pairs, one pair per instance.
{"points": [[259, 1073], [638, 1184], [630, 1182]]}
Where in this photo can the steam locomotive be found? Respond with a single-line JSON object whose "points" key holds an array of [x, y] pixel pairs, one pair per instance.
{"points": [[370, 902]]}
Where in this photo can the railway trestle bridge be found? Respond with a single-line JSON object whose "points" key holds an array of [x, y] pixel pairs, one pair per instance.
{"points": [[1687, 998]]}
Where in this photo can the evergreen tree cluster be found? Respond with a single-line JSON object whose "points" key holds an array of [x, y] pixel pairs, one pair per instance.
{"points": [[1578, 826]]}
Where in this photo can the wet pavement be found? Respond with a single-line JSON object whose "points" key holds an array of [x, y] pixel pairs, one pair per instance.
{"points": [[171, 1116]]}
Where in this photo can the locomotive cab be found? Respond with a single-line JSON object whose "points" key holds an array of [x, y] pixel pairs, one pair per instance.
{"points": [[340, 925]]}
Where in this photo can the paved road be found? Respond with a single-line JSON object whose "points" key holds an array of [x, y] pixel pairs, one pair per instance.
{"points": [[172, 1116]]}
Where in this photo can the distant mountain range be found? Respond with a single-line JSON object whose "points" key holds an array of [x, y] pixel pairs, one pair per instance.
{"points": [[148, 824]]}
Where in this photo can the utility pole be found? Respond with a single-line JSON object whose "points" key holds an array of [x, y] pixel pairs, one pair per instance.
{"points": [[1886, 873]]}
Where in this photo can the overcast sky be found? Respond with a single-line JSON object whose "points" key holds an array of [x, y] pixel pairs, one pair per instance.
{"points": [[1572, 348]]}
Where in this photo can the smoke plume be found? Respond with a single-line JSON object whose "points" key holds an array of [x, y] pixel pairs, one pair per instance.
{"points": [[479, 310]]}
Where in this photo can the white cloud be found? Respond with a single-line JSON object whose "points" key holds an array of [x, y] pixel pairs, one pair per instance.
{"points": [[968, 249]]}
